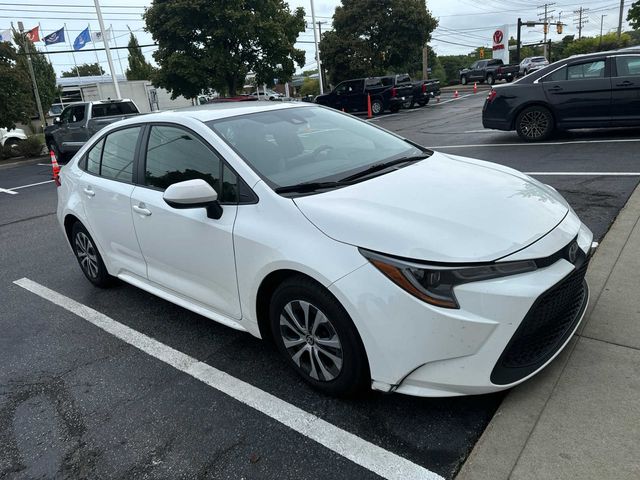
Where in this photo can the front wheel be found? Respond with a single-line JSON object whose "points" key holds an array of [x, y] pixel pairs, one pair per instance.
{"points": [[89, 258], [317, 337], [463, 80], [534, 124]]}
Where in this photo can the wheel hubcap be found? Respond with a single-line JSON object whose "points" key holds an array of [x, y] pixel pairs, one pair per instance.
{"points": [[534, 124], [86, 254], [376, 108], [311, 340]]}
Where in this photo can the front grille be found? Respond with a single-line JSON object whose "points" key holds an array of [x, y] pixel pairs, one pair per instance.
{"points": [[545, 328]]}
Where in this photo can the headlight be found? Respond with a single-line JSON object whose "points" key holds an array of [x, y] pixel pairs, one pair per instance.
{"points": [[434, 283]]}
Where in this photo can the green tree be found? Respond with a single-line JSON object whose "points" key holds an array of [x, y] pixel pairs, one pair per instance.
{"points": [[15, 94], [310, 86], [84, 70], [139, 68], [44, 73], [633, 17], [610, 41], [375, 37], [206, 44]]}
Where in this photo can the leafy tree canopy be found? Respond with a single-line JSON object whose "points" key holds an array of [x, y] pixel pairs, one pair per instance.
{"points": [[206, 44], [84, 70], [44, 73], [139, 68], [310, 86], [15, 94], [375, 37], [633, 16]]}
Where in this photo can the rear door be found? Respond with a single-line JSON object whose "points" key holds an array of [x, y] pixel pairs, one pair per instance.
{"points": [[76, 134], [580, 93], [625, 102], [106, 190]]}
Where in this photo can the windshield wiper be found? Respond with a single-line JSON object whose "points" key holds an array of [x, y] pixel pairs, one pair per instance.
{"points": [[382, 166], [310, 187]]}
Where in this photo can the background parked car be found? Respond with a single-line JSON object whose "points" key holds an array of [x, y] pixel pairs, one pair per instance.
{"points": [[424, 90], [489, 71], [531, 64], [12, 137], [268, 95], [597, 90]]}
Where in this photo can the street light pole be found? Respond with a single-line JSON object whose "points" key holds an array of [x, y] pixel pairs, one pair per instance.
{"points": [[315, 41], [620, 18], [105, 40]]}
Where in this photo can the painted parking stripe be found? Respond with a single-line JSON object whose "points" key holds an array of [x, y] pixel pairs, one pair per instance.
{"points": [[376, 459], [588, 174], [538, 144], [11, 191]]}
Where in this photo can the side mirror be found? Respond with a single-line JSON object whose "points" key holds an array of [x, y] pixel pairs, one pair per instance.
{"points": [[194, 194], [56, 120]]}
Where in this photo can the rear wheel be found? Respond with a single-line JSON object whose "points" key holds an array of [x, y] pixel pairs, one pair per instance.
{"points": [[319, 340], [376, 107], [534, 124], [89, 258], [490, 79]]}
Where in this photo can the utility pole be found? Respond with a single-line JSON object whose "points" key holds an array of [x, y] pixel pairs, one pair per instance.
{"points": [[545, 20], [321, 69], [27, 51], [620, 18], [580, 21], [315, 40], [425, 63], [601, 23], [105, 40]]}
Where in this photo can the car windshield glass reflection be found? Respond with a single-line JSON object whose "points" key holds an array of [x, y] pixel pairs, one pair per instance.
{"points": [[300, 145]]}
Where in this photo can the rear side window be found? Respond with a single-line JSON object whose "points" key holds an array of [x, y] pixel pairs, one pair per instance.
{"points": [[118, 154], [373, 82], [175, 155], [628, 66], [403, 79], [116, 108], [586, 70]]}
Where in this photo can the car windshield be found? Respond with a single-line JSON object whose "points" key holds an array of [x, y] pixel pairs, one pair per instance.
{"points": [[302, 145]]}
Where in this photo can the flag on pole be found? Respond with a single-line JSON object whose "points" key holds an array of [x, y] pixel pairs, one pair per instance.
{"points": [[55, 37], [97, 36], [6, 36], [34, 34], [82, 39]]}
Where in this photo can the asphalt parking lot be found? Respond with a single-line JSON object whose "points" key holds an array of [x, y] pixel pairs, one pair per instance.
{"points": [[83, 394]]}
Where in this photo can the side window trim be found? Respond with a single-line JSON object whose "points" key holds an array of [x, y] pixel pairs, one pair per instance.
{"points": [[139, 172]]}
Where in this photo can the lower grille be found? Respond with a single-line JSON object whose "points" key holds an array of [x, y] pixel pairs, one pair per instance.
{"points": [[544, 330]]}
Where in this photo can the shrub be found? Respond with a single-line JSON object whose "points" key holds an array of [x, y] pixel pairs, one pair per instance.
{"points": [[31, 147]]}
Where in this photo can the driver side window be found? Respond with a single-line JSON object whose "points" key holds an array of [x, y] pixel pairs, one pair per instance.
{"points": [[65, 115]]}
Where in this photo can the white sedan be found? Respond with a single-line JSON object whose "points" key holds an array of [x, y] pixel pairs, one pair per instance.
{"points": [[370, 261]]}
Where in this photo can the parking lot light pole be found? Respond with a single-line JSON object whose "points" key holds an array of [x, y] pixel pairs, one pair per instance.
{"points": [[315, 41]]}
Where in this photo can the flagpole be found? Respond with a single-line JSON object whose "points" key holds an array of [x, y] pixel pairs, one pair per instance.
{"points": [[73, 55], [46, 48], [105, 40], [94, 47], [110, 30]]}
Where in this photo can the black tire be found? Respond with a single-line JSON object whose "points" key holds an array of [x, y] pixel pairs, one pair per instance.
{"points": [[463, 80], [535, 124], [89, 257], [414, 103], [310, 343], [510, 79], [377, 108], [490, 79], [12, 142], [394, 109]]}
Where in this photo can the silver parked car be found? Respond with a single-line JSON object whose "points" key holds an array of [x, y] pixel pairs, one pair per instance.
{"points": [[530, 64]]}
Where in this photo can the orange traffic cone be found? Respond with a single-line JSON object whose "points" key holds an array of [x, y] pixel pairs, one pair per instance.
{"points": [[456, 94], [369, 112], [55, 168], [475, 87], [344, 110]]}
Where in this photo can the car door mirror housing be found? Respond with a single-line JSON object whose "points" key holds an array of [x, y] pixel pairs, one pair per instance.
{"points": [[56, 120], [193, 194]]}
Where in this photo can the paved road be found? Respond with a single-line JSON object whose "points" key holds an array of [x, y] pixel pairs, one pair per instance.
{"points": [[76, 402]]}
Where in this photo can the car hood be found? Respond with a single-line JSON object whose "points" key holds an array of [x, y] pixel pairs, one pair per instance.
{"points": [[442, 209]]}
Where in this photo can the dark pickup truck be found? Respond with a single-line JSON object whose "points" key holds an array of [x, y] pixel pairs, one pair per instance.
{"points": [[489, 71], [390, 92], [79, 121], [425, 90]]}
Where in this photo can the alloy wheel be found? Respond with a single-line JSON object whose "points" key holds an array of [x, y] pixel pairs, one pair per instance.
{"points": [[534, 124], [311, 340], [376, 108], [86, 253]]}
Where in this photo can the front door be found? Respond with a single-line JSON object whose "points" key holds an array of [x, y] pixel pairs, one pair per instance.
{"points": [[625, 84], [75, 135], [186, 251], [580, 94], [107, 185]]}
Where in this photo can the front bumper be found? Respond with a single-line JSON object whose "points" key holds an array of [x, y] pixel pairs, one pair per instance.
{"points": [[418, 349]]}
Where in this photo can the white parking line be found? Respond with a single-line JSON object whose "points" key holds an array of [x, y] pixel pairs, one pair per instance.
{"points": [[376, 459], [539, 144], [11, 191], [588, 174]]}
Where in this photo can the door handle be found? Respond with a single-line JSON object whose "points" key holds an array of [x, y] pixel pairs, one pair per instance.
{"points": [[89, 192], [555, 89], [626, 83], [140, 209]]}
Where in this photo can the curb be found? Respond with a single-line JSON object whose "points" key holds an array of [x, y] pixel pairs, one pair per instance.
{"points": [[498, 450]]}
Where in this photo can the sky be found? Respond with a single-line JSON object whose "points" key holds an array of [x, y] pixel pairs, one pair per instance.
{"points": [[463, 24]]}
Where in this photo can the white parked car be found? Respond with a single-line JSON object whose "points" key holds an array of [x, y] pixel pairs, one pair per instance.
{"points": [[12, 137], [369, 260]]}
